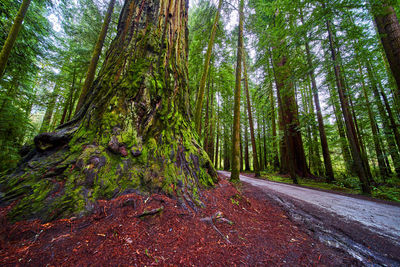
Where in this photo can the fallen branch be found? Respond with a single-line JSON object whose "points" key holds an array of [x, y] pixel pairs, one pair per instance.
{"points": [[219, 217], [150, 212]]}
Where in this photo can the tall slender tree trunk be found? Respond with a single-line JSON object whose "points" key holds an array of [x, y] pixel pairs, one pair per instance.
{"points": [[133, 131], [387, 129], [236, 109], [388, 28], [265, 144], [348, 161], [206, 122], [321, 126], [393, 124], [273, 126], [246, 150], [350, 128], [256, 164], [49, 110], [217, 142], [241, 153], [260, 143], [12, 35], [200, 95], [69, 99], [90, 75], [210, 148], [383, 170]]}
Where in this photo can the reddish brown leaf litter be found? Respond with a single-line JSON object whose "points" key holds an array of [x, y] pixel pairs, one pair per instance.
{"points": [[116, 234]]}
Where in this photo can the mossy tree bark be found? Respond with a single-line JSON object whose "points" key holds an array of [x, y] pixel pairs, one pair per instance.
{"points": [[236, 109], [132, 132], [12, 35]]}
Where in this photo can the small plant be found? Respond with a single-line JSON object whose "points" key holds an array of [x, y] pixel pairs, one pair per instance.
{"points": [[235, 202]]}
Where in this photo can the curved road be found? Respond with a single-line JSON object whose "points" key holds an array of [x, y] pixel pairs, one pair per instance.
{"points": [[380, 220]]}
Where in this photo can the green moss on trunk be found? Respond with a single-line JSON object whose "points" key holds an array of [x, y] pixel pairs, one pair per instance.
{"points": [[131, 134]]}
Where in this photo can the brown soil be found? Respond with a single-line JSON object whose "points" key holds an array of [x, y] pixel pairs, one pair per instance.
{"points": [[261, 234]]}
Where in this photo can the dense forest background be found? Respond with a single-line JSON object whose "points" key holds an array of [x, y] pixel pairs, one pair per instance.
{"points": [[317, 93]]}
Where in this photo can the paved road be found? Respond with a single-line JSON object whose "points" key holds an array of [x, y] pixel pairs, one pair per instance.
{"points": [[380, 218]]}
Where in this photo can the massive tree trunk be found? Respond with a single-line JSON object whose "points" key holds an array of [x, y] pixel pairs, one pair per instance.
{"points": [[296, 159], [388, 27], [132, 132], [96, 55], [12, 35]]}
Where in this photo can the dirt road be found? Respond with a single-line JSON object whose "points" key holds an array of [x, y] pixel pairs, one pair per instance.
{"points": [[368, 230]]}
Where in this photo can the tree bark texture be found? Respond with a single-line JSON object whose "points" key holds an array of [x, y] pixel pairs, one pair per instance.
{"points": [[236, 109], [388, 28], [296, 159], [132, 132]]}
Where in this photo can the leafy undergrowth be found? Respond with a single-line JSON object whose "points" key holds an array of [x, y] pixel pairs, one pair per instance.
{"points": [[137, 230], [349, 185]]}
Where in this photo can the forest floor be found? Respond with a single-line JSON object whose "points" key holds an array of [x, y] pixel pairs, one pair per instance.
{"points": [[239, 226], [367, 228]]}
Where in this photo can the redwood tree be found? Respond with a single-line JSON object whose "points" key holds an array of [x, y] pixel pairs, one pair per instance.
{"points": [[132, 132], [388, 27], [236, 110]]}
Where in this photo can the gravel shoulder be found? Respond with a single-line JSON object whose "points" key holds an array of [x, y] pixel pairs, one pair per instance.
{"points": [[368, 230]]}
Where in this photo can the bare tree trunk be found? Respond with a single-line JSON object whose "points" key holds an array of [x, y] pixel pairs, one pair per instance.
{"points": [[350, 128], [274, 135], [377, 143], [246, 150], [387, 129], [95, 57], [49, 110], [321, 126], [256, 164], [69, 99], [348, 161], [216, 163], [200, 95]]}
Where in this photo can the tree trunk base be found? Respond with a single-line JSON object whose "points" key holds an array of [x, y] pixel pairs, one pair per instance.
{"points": [[72, 168]]}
